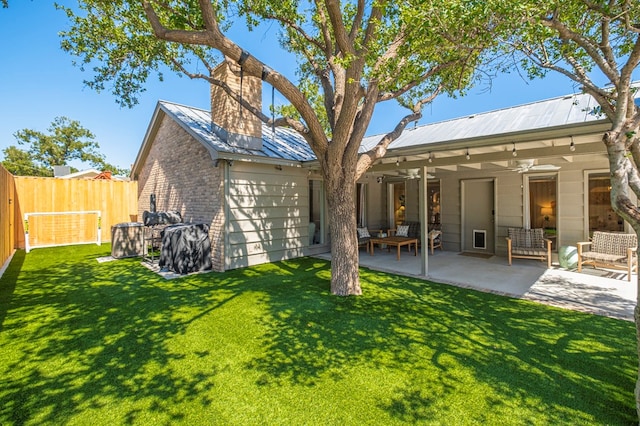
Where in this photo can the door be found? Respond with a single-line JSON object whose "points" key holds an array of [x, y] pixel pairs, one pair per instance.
{"points": [[543, 202], [478, 216]]}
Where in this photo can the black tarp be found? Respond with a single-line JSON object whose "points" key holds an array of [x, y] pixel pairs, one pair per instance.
{"points": [[186, 248]]}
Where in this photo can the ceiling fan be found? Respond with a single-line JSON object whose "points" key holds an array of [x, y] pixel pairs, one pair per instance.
{"points": [[415, 174], [524, 166]]}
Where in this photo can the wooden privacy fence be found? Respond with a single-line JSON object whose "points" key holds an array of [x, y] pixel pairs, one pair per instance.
{"points": [[7, 211], [116, 201]]}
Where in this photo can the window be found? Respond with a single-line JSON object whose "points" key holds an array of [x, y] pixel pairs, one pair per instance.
{"points": [[601, 214]]}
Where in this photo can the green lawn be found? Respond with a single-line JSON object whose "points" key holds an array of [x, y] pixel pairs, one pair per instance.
{"points": [[83, 342]]}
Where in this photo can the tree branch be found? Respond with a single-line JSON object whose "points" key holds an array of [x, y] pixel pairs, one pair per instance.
{"points": [[213, 37], [591, 48], [339, 30]]}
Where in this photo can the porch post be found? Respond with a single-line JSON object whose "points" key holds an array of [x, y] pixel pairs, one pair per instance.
{"points": [[423, 199]]}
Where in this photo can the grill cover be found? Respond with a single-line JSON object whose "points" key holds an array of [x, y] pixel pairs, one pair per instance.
{"points": [[161, 218], [186, 248]]}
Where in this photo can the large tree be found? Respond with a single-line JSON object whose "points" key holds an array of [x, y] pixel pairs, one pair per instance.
{"points": [[596, 44], [352, 55], [66, 140]]}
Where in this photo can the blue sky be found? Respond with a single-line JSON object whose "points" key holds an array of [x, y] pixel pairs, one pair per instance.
{"points": [[38, 83]]}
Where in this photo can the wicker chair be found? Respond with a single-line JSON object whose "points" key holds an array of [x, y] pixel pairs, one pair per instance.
{"points": [[364, 235], [610, 249], [529, 244]]}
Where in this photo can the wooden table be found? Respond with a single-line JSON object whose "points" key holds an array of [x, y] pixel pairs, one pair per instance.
{"points": [[393, 241]]}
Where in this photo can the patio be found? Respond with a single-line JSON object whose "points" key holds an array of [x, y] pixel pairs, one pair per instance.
{"points": [[598, 291]]}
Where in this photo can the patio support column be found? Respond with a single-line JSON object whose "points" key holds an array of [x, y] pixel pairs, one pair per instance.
{"points": [[423, 199]]}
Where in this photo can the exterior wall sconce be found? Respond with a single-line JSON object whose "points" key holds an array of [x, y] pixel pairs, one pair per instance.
{"points": [[572, 146], [513, 151], [468, 155]]}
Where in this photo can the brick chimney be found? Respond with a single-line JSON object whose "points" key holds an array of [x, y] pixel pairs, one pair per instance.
{"points": [[239, 126]]}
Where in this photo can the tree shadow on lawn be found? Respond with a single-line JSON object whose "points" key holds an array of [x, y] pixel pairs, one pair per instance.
{"points": [[81, 337], [460, 355], [9, 279]]}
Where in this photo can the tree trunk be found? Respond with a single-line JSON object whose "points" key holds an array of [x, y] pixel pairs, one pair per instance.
{"points": [[345, 278], [621, 168]]}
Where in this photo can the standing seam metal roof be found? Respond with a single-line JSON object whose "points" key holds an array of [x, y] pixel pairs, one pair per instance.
{"points": [[555, 112], [286, 144]]}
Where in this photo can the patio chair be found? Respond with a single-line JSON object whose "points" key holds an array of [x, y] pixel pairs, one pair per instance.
{"points": [[610, 249], [435, 240], [363, 237]]}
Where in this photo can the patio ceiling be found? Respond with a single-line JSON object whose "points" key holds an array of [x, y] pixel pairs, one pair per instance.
{"points": [[500, 156]]}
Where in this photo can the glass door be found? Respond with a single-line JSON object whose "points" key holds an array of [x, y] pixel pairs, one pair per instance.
{"points": [[543, 191]]}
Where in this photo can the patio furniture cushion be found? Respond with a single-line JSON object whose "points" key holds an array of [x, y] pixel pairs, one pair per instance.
{"points": [[403, 231], [363, 233]]}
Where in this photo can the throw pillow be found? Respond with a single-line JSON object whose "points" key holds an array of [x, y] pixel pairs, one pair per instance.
{"points": [[403, 231], [363, 233]]}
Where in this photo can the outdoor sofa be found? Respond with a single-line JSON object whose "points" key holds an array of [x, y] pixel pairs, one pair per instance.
{"points": [[528, 244]]}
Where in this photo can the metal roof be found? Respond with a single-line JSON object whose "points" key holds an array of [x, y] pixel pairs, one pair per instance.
{"points": [[535, 121], [285, 144], [542, 115]]}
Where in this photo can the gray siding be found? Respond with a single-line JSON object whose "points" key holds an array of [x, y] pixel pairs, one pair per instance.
{"points": [[268, 214]]}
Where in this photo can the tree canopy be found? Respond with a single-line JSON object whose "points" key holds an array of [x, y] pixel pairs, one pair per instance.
{"points": [[351, 56], [65, 141]]}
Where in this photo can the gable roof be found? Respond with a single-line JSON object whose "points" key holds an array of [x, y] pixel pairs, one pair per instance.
{"points": [[285, 146]]}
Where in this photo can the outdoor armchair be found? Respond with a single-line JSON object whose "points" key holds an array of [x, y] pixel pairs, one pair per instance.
{"points": [[611, 249]]}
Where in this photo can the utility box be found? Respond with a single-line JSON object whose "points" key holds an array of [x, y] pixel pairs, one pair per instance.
{"points": [[127, 240]]}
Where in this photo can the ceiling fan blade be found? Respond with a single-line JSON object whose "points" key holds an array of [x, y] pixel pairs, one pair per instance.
{"points": [[545, 167]]}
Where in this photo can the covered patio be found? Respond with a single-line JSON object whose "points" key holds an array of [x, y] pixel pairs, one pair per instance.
{"points": [[599, 291]]}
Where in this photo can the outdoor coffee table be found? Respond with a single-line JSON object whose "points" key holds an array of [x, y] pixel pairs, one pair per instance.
{"points": [[393, 241]]}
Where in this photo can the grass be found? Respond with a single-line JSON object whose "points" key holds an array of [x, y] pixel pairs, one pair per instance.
{"points": [[83, 342]]}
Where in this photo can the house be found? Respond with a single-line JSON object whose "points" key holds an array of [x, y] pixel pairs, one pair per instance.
{"points": [[248, 182], [537, 165], [64, 172]]}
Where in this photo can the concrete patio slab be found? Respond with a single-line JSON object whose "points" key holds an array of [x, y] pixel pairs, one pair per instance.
{"points": [[601, 292]]}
